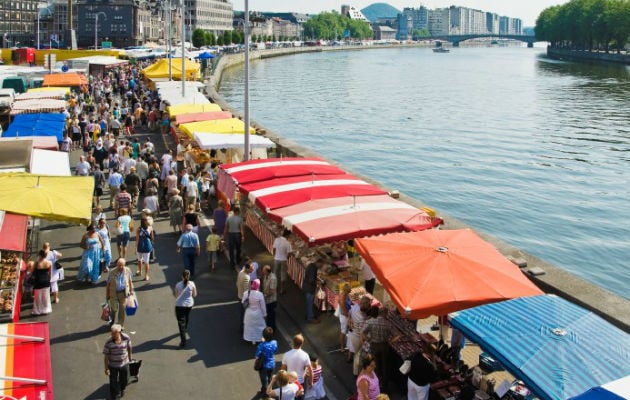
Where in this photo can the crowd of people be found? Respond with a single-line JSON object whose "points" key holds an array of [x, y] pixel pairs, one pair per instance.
{"points": [[101, 122]]}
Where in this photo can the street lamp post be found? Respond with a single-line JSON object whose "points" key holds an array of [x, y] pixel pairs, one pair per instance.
{"points": [[96, 28], [183, 49], [246, 96]]}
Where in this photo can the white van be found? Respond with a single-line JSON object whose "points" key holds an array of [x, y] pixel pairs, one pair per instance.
{"points": [[7, 96]]}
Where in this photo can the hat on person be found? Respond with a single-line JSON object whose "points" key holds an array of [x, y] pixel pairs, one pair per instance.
{"points": [[132, 168], [146, 211]]}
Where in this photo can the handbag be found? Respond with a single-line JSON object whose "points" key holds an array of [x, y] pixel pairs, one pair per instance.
{"points": [[259, 362], [106, 313], [246, 301], [131, 305]]}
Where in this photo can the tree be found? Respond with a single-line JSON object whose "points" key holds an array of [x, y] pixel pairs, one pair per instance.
{"points": [[254, 38], [332, 25], [420, 33], [198, 38], [210, 39]]}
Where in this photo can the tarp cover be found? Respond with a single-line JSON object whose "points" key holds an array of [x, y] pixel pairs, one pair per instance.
{"points": [[231, 175], [230, 141], [282, 192], [41, 124], [615, 390], [229, 125], [202, 116], [160, 69], [65, 79], [187, 108], [344, 218], [558, 349], [28, 359], [13, 232], [36, 142], [57, 198], [47, 162], [435, 272], [37, 106]]}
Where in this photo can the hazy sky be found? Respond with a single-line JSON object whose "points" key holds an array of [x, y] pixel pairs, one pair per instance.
{"points": [[527, 10]]}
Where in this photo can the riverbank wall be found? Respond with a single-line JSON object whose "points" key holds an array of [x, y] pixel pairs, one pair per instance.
{"points": [[587, 56], [553, 280]]}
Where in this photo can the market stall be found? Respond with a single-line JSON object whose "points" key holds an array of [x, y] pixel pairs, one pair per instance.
{"points": [[233, 145], [160, 69], [25, 362], [558, 349], [36, 106], [68, 79], [13, 246], [186, 108], [228, 125], [37, 124], [616, 390], [56, 93]]}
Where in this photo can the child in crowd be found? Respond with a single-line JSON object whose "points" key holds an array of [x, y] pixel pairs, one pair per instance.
{"points": [[212, 247], [293, 378], [316, 391]]}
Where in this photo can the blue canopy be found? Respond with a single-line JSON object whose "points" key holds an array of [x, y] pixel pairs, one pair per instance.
{"points": [[44, 124], [557, 348], [205, 55]]}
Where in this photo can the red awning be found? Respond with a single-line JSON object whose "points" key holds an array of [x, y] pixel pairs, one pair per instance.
{"points": [[202, 116], [232, 175], [282, 192], [25, 362], [343, 218], [13, 232]]}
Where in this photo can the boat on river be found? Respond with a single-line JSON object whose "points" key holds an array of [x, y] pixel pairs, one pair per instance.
{"points": [[441, 50]]}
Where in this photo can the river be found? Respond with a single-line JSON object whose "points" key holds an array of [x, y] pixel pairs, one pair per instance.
{"points": [[533, 151]]}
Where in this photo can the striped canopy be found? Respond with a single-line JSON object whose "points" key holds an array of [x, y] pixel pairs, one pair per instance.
{"points": [[557, 348]]}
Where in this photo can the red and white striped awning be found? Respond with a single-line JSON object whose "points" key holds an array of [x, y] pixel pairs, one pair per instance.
{"points": [[33, 106]]}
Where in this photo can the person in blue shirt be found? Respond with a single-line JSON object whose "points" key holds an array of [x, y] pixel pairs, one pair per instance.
{"points": [[188, 245]]}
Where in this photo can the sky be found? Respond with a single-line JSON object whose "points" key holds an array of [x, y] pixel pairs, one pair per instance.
{"points": [[527, 10]]}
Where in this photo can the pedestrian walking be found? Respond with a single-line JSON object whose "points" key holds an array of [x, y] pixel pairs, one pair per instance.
{"points": [[255, 313], [117, 353], [144, 246], [281, 251], [175, 209], [235, 232], [270, 290], [185, 292], [212, 247], [56, 274], [92, 245], [267, 351], [41, 285], [119, 287], [124, 225], [188, 245]]}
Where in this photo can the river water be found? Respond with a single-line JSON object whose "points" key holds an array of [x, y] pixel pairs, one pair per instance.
{"points": [[533, 151]]}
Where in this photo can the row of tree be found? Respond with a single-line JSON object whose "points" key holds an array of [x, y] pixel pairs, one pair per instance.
{"points": [[203, 38], [333, 25], [586, 25]]}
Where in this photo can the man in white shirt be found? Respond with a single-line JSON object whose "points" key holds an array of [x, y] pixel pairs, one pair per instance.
{"points": [[83, 167], [281, 250], [166, 164], [368, 276], [192, 193], [298, 360], [128, 164]]}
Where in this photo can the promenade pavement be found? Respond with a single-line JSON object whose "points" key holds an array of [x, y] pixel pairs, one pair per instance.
{"points": [[216, 364]]}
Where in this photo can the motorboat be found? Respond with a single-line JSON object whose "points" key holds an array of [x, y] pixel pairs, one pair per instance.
{"points": [[440, 50]]}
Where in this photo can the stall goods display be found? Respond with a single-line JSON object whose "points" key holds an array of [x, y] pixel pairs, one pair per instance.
{"points": [[9, 262]]}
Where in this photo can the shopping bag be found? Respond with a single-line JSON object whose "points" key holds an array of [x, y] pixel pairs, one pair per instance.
{"points": [[106, 313], [134, 368], [131, 305]]}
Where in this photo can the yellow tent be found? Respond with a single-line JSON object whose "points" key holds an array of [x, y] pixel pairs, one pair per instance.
{"points": [[229, 125], [179, 109], [64, 89], [160, 69], [57, 198]]}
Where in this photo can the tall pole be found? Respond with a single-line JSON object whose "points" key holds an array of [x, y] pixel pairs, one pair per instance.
{"points": [[183, 49], [246, 105], [170, 32], [38, 9], [96, 31]]}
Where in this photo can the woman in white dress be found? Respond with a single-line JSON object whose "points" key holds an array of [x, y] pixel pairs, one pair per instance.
{"points": [[254, 321]]}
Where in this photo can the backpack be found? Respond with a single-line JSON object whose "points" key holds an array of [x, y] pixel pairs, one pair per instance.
{"points": [[144, 241]]}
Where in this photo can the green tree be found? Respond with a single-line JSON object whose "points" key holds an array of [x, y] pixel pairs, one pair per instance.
{"points": [[220, 40], [210, 39], [227, 37], [254, 38], [420, 33], [332, 25], [198, 38]]}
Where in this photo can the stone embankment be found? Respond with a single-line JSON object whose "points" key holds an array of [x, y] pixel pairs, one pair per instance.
{"points": [[553, 279], [587, 56]]}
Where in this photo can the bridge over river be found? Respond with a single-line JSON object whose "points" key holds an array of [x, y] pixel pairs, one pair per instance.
{"points": [[456, 39]]}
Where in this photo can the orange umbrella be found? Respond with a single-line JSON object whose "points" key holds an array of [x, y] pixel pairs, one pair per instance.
{"points": [[435, 272]]}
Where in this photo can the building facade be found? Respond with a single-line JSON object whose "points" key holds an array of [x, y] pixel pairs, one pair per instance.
{"points": [[18, 22]]}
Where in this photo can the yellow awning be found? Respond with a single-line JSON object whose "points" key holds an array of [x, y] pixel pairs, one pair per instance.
{"points": [[229, 125], [49, 89], [57, 198], [179, 109], [160, 69]]}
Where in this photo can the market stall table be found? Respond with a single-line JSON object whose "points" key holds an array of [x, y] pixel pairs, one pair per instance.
{"points": [[13, 246]]}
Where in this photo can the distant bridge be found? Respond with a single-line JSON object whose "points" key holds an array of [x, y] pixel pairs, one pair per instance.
{"points": [[456, 39]]}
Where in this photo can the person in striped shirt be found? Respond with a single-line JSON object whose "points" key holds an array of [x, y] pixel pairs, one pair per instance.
{"points": [[117, 352]]}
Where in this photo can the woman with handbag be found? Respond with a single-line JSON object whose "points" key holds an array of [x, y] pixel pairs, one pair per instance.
{"points": [[185, 292], [92, 246], [56, 272], [41, 285], [266, 353], [144, 246], [255, 313]]}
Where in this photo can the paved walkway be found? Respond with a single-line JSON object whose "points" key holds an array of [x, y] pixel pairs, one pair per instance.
{"points": [[216, 364]]}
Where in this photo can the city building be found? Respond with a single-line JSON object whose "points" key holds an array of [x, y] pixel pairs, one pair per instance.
{"points": [[383, 32], [353, 13], [213, 16], [18, 22]]}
